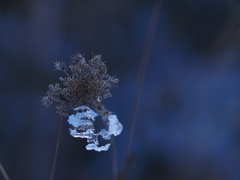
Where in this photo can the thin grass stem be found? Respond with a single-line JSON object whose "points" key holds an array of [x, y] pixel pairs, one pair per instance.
{"points": [[113, 155], [4, 173], [114, 159], [141, 75], [56, 150]]}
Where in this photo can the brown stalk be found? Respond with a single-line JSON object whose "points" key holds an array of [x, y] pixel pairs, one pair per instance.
{"points": [[113, 156], [114, 160], [56, 150], [4, 173], [140, 81]]}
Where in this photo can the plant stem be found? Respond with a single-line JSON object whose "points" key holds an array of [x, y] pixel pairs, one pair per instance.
{"points": [[4, 173], [56, 150], [140, 81], [114, 160], [113, 147]]}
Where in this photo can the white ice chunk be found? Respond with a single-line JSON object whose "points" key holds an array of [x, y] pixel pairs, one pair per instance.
{"points": [[88, 134], [86, 112], [82, 126], [105, 134], [81, 108], [76, 120], [115, 127], [96, 148]]}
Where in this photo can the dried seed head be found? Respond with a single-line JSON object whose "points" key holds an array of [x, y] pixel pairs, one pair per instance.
{"points": [[86, 83], [61, 66], [78, 59]]}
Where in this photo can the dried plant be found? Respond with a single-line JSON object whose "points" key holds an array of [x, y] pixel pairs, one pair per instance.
{"points": [[85, 83]]}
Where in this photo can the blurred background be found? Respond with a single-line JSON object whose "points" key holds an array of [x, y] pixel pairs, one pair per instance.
{"points": [[188, 125]]}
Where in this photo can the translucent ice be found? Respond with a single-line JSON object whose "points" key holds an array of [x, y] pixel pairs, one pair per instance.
{"points": [[86, 112], [115, 127], [96, 148], [105, 134], [89, 134], [82, 126]]}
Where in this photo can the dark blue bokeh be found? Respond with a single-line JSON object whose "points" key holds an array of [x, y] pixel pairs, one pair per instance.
{"points": [[188, 125]]}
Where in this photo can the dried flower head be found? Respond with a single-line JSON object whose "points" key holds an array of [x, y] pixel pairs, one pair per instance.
{"points": [[86, 83]]}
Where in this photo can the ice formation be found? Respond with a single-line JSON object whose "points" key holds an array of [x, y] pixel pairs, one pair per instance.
{"points": [[82, 126], [96, 148]]}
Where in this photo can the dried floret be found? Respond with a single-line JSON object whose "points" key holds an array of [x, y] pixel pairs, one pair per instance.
{"points": [[86, 83]]}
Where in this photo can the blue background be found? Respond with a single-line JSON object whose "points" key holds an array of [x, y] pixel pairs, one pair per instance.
{"points": [[188, 125]]}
